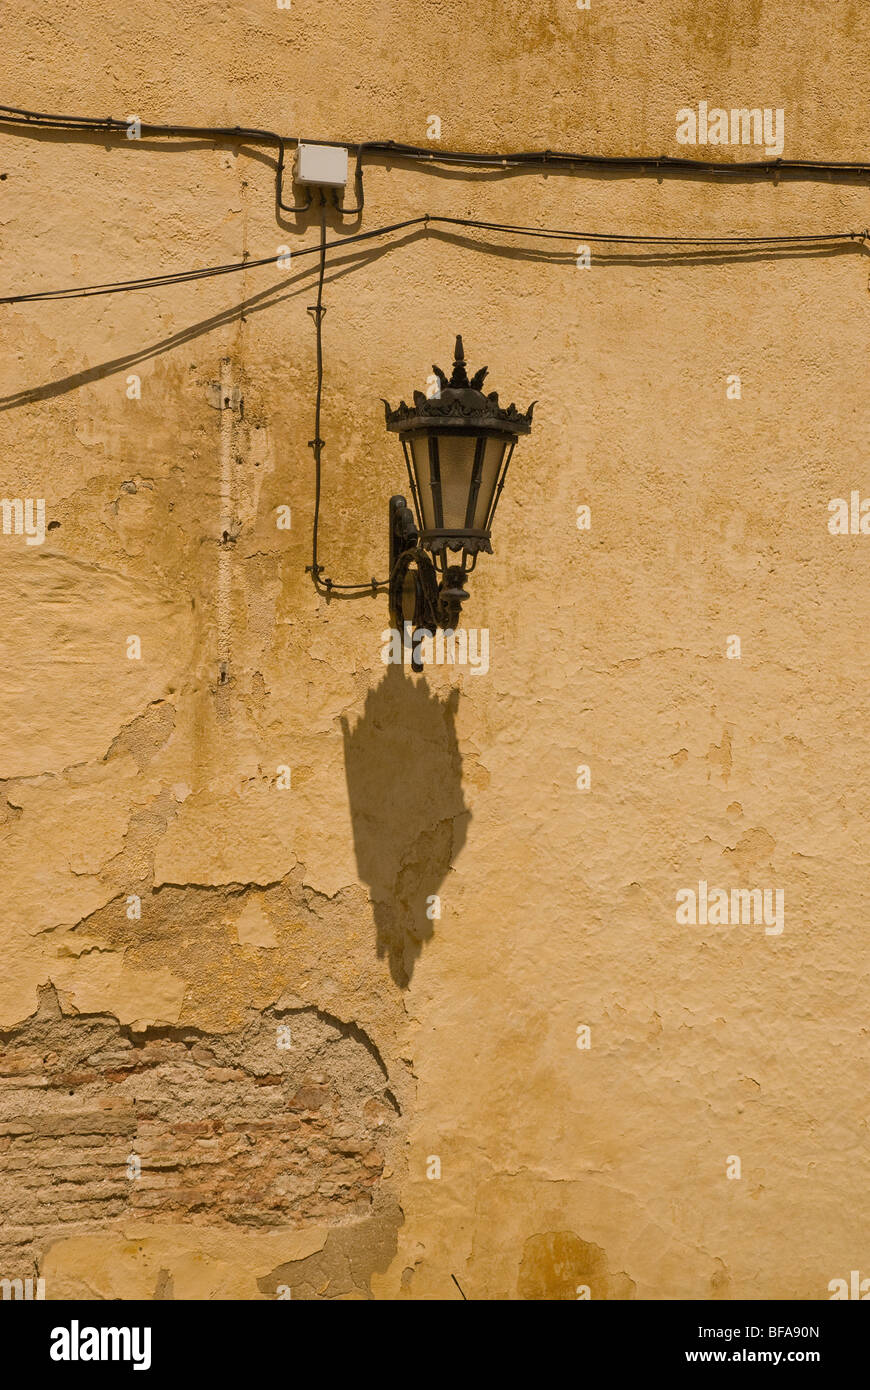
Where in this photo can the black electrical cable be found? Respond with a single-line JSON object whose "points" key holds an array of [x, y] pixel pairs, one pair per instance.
{"points": [[376, 586], [470, 159], [532, 159], [14, 115], [625, 161], [17, 115], [317, 310], [546, 233], [645, 239], [204, 273], [540, 159], [316, 444]]}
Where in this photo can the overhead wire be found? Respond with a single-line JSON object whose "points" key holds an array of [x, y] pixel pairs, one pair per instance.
{"points": [[427, 155], [542, 159], [19, 116], [203, 273], [328, 585], [317, 311], [518, 160], [434, 219]]}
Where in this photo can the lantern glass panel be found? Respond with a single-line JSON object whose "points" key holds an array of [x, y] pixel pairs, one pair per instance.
{"points": [[492, 462], [456, 454], [419, 444], [458, 457]]}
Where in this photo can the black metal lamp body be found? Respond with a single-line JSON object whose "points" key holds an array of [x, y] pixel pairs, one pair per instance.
{"points": [[458, 445]]}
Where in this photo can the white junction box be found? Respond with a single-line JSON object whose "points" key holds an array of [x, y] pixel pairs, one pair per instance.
{"points": [[323, 164]]}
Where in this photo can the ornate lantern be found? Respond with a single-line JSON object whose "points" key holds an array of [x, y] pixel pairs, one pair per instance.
{"points": [[458, 445]]}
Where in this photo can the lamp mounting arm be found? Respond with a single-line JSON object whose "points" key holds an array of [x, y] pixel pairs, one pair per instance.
{"points": [[435, 605]]}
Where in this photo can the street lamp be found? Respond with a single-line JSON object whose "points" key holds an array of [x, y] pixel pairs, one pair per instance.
{"points": [[458, 445]]}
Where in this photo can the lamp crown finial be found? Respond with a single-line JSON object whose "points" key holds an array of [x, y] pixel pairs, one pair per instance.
{"points": [[460, 376]]}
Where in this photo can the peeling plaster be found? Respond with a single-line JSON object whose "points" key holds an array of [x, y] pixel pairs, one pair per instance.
{"points": [[155, 779]]}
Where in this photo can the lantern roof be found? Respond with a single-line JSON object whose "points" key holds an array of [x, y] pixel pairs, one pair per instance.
{"points": [[460, 404]]}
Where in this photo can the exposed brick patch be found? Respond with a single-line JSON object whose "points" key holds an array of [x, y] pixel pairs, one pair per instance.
{"points": [[228, 1129]]}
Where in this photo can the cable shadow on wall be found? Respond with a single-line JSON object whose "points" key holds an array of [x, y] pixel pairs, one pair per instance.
{"points": [[341, 265], [408, 811]]}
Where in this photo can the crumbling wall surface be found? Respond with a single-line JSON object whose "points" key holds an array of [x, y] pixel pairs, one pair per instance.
{"points": [[327, 979], [101, 1126]]}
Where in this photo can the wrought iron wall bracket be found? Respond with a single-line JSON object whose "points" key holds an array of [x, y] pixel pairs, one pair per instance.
{"points": [[434, 605]]}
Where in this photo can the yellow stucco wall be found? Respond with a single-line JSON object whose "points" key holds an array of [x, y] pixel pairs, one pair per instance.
{"points": [[560, 1166]]}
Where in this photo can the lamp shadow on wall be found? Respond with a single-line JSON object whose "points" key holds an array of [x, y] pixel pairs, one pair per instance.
{"points": [[408, 811]]}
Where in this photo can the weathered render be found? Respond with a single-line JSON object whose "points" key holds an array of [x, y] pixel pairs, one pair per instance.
{"points": [[303, 1161]]}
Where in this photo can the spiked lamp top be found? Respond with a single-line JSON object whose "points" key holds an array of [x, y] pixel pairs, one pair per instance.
{"points": [[460, 404]]}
